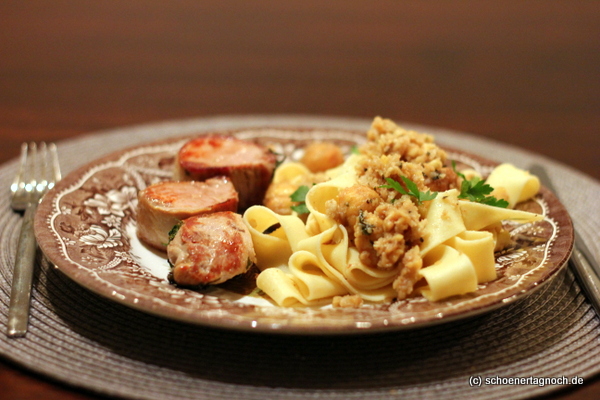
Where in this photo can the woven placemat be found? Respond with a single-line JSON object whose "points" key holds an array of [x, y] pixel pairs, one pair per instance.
{"points": [[84, 340]]}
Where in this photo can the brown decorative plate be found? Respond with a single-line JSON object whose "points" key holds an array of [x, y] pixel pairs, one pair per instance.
{"points": [[86, 226]]}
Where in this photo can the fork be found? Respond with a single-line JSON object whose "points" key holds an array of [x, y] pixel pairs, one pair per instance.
{"points": [[584, 266], [38, 172]]}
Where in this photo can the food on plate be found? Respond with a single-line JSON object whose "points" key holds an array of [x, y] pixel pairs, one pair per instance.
{"points": [[396, 220], [321, 156], [210, 249], [163, 205], [519, 185], [287, 179], [318, 163], [249, 165]]}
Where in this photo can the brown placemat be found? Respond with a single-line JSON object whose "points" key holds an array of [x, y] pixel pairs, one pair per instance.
{"points": [[87, 341]]}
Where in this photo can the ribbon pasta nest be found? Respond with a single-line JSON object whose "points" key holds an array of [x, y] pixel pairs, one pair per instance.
{"points": [[393, 220]]}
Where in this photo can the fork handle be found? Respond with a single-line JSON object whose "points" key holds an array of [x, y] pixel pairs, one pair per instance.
{"points": [[20, 296], [586, 275]]}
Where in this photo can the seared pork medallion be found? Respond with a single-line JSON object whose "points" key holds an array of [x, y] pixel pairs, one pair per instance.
{"points": [[249, 165], [210, 249], [163, 205]]}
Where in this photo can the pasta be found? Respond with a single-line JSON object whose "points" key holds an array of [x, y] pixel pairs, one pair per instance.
{"points": [[443, 221], [448, 272], [435, 247], [519, 184]]}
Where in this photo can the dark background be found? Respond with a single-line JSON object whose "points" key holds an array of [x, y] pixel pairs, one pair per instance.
{"points": [[523, 73]]}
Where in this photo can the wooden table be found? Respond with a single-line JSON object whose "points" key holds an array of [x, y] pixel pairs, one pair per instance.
{"points": [[523, 74]]}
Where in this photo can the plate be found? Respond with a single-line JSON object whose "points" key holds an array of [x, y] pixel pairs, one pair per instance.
{"points": [[86, 227]]}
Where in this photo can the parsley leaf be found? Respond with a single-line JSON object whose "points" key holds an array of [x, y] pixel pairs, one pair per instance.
{"points": [[492, 201], [413, 190], [477, 190], [299, 196]]}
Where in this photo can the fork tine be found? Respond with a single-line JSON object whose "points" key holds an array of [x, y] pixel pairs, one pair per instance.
{"points": [[49, 168], [56, 175], [31, 172], [18, 183], [40, 170], [28, 175]]}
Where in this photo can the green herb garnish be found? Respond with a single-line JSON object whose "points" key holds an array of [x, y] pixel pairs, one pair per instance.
{"points": [[299, 196], [174, 231], [172, 234], [411, 189], [477, 190]]}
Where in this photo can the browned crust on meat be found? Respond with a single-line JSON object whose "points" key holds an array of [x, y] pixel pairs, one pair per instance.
{"points": [[210, 249], [163, 205], [250, 166]]}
